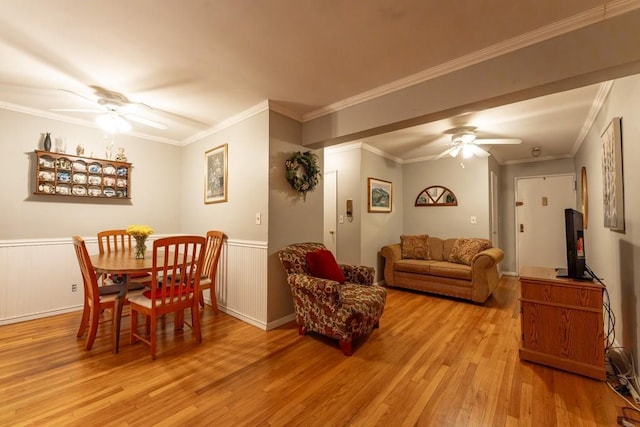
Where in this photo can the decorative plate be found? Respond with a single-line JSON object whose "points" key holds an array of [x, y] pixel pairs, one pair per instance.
{"points": [[122, 171], [79, 190], [64, 177], [109, 170], [95, 192], [79, 178], [95, 180], [45, 176], [109, 192], [79, 166], [94, 168], [63, 189]]}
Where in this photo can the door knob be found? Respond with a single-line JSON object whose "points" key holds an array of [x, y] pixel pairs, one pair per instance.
{"points": [[522, 228]]}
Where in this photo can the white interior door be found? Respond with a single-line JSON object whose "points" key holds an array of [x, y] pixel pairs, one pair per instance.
{"points": [[540, 233], [330, 211]]}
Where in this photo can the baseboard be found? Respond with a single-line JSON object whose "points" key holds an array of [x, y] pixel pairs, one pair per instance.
{"points": [[33, 316]]}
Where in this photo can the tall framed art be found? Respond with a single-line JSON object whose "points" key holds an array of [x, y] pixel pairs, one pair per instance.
{"points": [[612, 176], [215, 175]]}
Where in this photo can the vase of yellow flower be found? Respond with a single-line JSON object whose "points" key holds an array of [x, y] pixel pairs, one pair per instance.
{"points": [[140, 233]]}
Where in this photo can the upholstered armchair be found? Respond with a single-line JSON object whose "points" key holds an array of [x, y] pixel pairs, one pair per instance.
{"points": [[343, 311]]}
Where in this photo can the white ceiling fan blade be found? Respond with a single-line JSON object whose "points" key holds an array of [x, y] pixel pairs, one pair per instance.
{"points": [[501, 141], [445, 153], [144, 121], [478, 151], [76, 110]]}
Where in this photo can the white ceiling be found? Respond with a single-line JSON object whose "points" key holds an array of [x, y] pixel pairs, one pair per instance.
{"points": [[199, 63]]}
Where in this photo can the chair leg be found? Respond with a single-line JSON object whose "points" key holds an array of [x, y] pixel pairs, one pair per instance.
{"points": [[134, 326], [94, 319], [214, 301], [85, 320], [153, 336], [345, 346], [302, 330], [195, 323], [377, 325]]}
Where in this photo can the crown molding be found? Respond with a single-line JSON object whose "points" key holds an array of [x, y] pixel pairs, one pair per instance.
{"points": [[248, 113], [597, 14], [596, 106], [86, 123]]}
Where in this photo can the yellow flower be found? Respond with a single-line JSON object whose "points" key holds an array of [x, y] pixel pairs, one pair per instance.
{"points": [[137, 230]]}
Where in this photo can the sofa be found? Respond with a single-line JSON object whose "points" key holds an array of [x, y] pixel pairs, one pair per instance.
{"points": [[460, 267]]}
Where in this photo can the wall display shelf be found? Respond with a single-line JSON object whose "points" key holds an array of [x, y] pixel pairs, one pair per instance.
{"points": [[64, 175], [562, 324]]}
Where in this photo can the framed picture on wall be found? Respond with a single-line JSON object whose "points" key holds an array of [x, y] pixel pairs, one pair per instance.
{"points": [[380, 195], [215, 175], [612, 184]]}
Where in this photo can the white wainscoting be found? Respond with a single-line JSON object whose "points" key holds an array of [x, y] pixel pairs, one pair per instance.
{"points": [[241, 282], [36, 278]]}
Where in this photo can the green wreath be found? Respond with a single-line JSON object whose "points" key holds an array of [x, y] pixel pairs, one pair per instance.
{"points": [[303, 172]]}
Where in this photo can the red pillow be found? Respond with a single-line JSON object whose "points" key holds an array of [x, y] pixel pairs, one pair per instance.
{"points": [[322, 264]]}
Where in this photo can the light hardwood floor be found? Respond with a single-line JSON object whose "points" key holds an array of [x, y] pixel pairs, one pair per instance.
{"points": [[433, 362]]}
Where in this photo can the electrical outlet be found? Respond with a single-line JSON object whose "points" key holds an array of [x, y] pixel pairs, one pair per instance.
{"points": [[74, 287], [258, 218], [473, 220]]}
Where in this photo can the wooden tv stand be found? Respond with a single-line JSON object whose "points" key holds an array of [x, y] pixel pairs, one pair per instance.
{"points": [[562, 324]]}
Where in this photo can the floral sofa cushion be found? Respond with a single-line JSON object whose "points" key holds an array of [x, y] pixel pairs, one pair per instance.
{"points": [[464, 250], [414, 247]]}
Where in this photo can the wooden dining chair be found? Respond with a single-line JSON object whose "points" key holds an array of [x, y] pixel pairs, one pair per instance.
{"points": [[213, 249], [97, 299], [177, 268], [117, 241]]}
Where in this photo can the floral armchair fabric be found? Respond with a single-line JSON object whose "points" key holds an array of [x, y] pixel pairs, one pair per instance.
{"points": [[340, 311]]}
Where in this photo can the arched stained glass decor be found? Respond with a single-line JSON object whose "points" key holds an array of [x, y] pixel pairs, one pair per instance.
{"points": [[436, 195]]}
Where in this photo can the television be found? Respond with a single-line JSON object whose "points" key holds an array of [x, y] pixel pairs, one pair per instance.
{"points": [[576, 260]]}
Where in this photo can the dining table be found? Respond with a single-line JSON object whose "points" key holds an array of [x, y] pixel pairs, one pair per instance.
{"points": [[122, 263]]}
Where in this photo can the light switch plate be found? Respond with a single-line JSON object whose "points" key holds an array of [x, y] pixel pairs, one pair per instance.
{"points": [[258, 218]]}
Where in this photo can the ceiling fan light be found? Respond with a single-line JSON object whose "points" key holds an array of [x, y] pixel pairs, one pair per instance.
{"points": [[467, 152], [113, 123], [464, 137], [454, 152]]}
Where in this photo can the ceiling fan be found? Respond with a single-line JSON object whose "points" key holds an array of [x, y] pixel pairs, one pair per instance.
{"points": [[116, 110], [465, 143]]}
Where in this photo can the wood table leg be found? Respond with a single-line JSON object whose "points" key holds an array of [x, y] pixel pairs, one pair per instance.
{"points": [[117, 313]]}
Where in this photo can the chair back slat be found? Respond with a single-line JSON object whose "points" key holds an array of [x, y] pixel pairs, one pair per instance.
{"points": [[177, 268], [212, 252], [89, 279], [113, 241]]}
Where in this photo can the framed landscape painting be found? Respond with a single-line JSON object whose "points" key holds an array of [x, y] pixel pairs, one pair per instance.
{"points": [[215, 175], [380, 195], [612, 180]]}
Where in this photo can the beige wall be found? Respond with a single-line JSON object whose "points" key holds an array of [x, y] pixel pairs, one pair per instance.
{"points": [[469, 184], [615, 256], [292, 219], [248, 168], [155, 181], [379, 229]]}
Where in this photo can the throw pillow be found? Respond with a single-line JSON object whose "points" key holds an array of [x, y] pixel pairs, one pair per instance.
{"points": [[414, 247], [322, 264], [464, 250]]}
